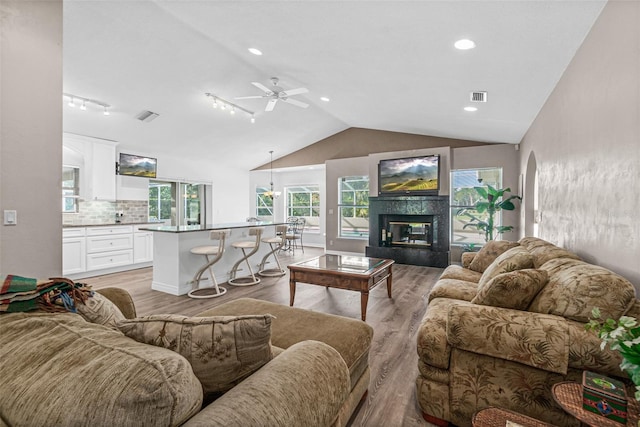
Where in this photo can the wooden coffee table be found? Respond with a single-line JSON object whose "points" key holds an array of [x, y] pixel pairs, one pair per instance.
{"points": [[353, 273]]}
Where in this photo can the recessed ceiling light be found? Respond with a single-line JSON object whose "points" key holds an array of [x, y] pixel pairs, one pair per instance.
{"points": [[464, 44], [325, 99], [470, 109], [255, 51]]}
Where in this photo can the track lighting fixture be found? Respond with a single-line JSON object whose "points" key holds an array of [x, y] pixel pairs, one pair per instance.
{"points": [[85, 103], [233, 108]]}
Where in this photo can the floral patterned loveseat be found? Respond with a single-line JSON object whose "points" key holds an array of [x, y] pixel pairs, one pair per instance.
{"points": [[505, 326]]}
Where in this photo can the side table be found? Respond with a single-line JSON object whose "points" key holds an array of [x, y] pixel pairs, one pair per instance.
{"points": [[569, 396], [498, 417]]}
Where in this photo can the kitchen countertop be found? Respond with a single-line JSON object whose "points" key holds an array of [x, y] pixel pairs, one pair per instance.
{"points": [[209, 227], [109, 224]]}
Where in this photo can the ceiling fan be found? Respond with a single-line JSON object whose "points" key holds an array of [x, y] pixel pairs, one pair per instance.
{"points": [[275, 93]]}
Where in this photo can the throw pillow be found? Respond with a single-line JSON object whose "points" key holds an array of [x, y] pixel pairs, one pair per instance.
{"points": [[489, 253], [515, 289], [222, 350], [517, 258], [99, 309]]}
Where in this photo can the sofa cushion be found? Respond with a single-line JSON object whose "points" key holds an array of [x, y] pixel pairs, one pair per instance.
{"points": [[65, 371], [99, 309], [516, 258], [291, 325], [515, 289], [543, 251], [489, 252], [576, 287], [457, 272], [222, 350], [454, 289]]}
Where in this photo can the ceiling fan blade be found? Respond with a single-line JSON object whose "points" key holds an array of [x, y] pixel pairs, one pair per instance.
{"points": [[296, 91], [263, 88], [250, 97], [296, 103], [271, 105]]}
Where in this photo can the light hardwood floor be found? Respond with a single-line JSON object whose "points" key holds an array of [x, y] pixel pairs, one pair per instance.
{"points": [[391, 399]]}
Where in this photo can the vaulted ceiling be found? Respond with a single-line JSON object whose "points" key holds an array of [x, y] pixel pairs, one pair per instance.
{"points": [[387, 65]]}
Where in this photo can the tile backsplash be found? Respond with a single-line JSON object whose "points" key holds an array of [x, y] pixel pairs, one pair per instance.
{"points": [[94, 212]]}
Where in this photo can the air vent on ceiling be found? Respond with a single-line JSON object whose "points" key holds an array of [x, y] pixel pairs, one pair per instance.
{"points": [[478, 96], [147, 116]]}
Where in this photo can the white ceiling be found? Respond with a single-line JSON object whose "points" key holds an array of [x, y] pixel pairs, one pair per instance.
{"points": [[386, 65]]}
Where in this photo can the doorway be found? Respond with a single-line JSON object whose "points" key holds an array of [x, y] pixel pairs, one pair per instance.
{"points": [[177, 203]]}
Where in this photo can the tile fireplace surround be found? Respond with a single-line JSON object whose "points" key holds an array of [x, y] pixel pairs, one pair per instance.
{"points": [[412, 209]]}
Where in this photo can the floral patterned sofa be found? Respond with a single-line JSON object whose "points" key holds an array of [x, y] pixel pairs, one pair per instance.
{"points": [[505, 326]]}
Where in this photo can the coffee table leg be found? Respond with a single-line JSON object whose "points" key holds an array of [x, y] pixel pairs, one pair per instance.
{"points": [[364, 299], [292, 289], [389, 281]]}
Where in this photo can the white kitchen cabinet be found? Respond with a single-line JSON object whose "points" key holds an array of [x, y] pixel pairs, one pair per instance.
{"points": [[73, 251], [109, 247], [142, 245], [100, 260], [103, 171], [96, 159]]}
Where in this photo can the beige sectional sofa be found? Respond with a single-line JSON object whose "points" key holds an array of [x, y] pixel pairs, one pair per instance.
{"points": [[60, 369], [505, 326]]}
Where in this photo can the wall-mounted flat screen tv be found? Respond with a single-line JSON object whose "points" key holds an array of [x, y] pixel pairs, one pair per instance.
{"points": [[133, 165], [409, 175]]}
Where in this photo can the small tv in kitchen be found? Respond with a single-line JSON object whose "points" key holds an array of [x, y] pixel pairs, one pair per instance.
{"points": [[141, 166], [409, 176]]}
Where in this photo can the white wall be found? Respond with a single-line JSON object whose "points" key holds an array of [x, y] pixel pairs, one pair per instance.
{"points": [[229, 202], [31, 137]]}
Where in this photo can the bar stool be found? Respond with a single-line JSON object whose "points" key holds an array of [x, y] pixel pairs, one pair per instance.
{"points": [[207, 251], [244, 245], [276, 243]]}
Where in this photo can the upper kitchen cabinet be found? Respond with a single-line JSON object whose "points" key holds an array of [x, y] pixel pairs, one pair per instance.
{"points": [[96, 159]]}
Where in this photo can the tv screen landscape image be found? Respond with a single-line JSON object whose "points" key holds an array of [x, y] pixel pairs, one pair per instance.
{"points": [[410, 175], [133, 165]]}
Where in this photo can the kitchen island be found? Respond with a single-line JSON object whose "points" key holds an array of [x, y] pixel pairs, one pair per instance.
{"points": [[174, 265]]}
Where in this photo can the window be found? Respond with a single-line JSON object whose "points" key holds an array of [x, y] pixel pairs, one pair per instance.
{"points": [[70, 189], [353, 204], [178, 202], [160, 200], [304, 201], [264, 204], [463, 195]]}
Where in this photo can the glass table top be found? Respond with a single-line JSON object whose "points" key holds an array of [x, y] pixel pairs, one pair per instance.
{"points": [[351, 264]]}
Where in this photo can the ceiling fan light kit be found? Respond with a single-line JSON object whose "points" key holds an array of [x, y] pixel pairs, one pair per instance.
{"points": [[224, 104], [275, 93]]}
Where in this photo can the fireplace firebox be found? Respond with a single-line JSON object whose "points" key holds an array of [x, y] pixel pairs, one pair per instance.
{"points": [[410, 229], [406, 230]]}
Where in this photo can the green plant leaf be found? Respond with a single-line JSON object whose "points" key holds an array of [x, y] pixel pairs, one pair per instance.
{"points": [[481, 191]]}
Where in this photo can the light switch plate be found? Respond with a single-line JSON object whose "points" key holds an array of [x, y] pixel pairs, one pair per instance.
{"points": [[10, 217]]}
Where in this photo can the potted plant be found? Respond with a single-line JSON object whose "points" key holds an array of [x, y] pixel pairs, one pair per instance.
{"points": [[491, 202], [622, 336]]}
